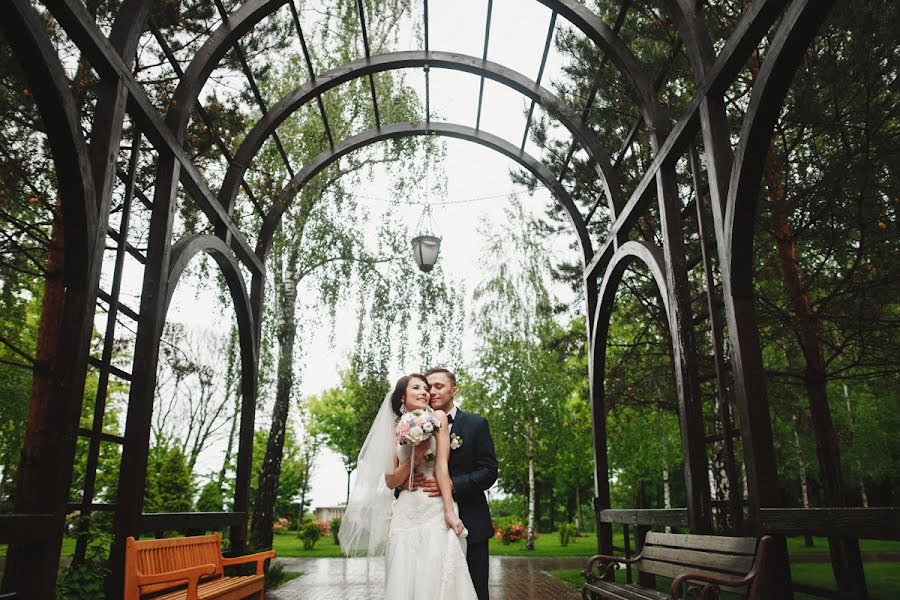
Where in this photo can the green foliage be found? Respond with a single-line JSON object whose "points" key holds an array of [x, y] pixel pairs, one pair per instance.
{"points": [[343, 415], [310, 534], [85, 580], [292, 472], [834, 149], [169, 486], [528, 376], [211, 498], [335, 527], [509, 506]]}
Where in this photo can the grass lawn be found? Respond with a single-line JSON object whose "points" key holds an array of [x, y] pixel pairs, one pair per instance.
{"points": [[288, 544], [883, 579], [547, 544], [820, 545]]}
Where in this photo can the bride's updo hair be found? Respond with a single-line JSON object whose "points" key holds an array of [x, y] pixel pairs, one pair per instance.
{"points": [[400, 390]]}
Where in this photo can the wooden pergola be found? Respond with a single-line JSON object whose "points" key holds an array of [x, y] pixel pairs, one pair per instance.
{"points": [[726, 188]]}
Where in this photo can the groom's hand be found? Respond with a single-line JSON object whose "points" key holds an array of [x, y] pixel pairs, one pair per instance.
{"points": [[418, 481], [430, 486]]}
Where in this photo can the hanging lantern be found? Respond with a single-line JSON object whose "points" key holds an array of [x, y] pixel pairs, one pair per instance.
{"points": [[425, 250]]}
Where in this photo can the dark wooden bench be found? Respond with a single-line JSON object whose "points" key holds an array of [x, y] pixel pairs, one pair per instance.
{"points": [[700, 565], [188, 568]]}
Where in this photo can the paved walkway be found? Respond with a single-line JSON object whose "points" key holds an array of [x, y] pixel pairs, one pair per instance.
{"points": [[359, 579]]}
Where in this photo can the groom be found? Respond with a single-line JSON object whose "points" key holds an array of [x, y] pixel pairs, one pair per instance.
{"points": [[473, 469]]}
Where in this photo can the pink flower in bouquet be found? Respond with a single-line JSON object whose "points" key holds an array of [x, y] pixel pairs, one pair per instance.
{"points": [[417, 426]]}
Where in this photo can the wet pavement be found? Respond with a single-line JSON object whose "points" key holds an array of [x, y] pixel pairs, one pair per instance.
{"points": [[362, 579]]}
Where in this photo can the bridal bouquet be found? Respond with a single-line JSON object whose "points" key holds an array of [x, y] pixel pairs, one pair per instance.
{"points": [[417, 426]]}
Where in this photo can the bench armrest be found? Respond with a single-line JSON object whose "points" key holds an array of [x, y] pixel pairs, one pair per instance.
{"points": [[259, 558], [712, 583], [192, 575], [606, 562]]}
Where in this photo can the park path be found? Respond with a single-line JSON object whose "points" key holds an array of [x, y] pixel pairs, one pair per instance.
{"points": [[361, 579]]}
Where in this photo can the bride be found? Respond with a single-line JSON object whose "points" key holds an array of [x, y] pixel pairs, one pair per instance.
{"points": [[421, 537]]}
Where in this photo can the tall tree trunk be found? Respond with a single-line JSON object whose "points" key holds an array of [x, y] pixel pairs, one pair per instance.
{"points": [[667, 492], [529, 544], [267, 489], [40, 410], [579, 523], [845, 556], [859, 470], [804, 486], [231, 377]]}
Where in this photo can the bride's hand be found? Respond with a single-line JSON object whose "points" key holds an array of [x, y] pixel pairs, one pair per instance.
{"points": [[453, 522], [421, 450]]}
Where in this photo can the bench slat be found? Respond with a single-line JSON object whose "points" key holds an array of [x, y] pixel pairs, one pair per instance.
{"points": [[671, 571], [229, 586], [618, 591], [715, 543], [728, 564]]}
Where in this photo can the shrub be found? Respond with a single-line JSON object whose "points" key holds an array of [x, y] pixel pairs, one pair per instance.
{"points": [[274, 575], [508, 529], [335, 526], [310, 534], [281, 526], [85, 580], [323, 526], [567, 532]]}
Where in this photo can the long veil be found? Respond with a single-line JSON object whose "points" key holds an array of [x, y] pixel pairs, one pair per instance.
{"points": [[364, 526]]}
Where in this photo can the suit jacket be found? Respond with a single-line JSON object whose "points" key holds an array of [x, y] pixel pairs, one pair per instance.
{"points": [[473, 469]]}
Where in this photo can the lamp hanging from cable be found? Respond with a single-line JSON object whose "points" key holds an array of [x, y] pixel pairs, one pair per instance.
{"points": [[426, 246]]}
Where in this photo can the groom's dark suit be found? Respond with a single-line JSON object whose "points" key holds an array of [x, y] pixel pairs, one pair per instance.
{"points": [[473, 469]]}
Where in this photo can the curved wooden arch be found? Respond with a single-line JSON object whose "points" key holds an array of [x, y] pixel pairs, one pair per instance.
{"points": [[796, 31], [403, 130], [306, 92]]}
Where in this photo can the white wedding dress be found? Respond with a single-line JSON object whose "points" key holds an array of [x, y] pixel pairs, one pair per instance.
{"points": [[424, 560]]}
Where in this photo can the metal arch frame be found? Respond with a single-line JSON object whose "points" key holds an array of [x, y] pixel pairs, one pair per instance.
{"points": [[304, 93], [402, 130], [732, 198]]}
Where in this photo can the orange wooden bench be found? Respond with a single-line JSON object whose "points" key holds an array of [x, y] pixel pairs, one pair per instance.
{"points": [[188, 568]]}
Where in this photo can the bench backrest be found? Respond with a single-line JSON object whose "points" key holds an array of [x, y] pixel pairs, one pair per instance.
{"points": [[671, 554], [150, 557]]}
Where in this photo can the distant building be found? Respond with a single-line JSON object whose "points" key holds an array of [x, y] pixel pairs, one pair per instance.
{"points": [[327, 513]]}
